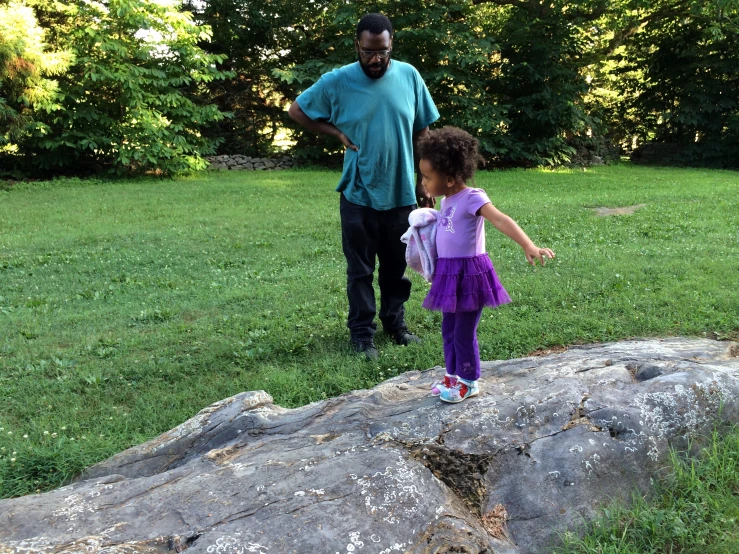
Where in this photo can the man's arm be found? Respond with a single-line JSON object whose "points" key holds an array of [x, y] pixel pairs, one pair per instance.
{"points": [[298, 116], [422, 196]]}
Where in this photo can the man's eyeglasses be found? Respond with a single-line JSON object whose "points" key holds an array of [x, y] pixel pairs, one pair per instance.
{"points": [[369, 54]]}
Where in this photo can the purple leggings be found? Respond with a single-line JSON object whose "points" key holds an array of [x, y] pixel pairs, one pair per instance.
{"points": [[461, 353]]}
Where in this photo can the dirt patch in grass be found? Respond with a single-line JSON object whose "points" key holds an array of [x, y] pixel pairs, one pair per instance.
{"points": [[624, 210]]}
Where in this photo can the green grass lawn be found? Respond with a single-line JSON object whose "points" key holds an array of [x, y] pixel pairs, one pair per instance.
{"points": [[126, 307]]}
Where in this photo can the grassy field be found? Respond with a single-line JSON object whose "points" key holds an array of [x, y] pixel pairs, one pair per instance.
{"points": [[126, 307]]}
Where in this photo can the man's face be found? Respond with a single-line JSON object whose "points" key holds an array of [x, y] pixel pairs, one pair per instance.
{"points": [[371, 49]]}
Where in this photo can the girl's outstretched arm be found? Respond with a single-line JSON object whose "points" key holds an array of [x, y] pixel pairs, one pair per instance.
{"points": [[510, 228]]}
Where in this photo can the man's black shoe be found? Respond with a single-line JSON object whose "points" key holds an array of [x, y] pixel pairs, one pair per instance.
{"points": [[366, 347], [404, 337]]}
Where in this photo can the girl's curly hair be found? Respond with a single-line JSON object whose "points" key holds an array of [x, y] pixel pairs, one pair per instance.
{"points": [[451, 151]]}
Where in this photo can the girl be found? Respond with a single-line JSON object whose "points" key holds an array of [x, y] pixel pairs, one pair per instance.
{"points": [[464, 281]]}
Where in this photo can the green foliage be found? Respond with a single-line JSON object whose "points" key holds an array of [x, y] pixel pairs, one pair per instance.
{"points": [[510, 75], [456, 59], [25, 64], [676, 81], [536, 82], [541, 84], [257, 38], [139, 302], [515, 73], [129, 100]]}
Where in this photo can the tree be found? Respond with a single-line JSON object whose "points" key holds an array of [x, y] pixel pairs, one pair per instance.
{"points": [[449, 43], [541, 84], [131, 101], [258, 38], [151, 85], [509, 73], [677, 82], [25, 65]]}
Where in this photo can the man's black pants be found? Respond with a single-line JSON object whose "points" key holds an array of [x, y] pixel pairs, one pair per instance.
{"points": [[368, 234]]}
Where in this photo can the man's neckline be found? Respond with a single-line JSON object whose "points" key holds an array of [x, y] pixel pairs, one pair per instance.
{"points": [[370, 79]]}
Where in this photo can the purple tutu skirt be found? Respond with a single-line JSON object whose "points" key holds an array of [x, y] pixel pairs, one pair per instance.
{"points": [[465, 285]]}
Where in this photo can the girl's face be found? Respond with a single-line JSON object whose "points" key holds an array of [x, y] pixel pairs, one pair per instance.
{"points": [[436, 183]]}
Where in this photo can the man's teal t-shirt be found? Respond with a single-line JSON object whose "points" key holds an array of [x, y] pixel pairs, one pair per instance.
{"points": [[379, 116]]}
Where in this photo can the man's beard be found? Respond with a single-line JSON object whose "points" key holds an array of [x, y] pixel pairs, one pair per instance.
{"points": [[383, 66]]}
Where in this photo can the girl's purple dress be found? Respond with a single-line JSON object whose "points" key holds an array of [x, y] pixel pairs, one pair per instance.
{"points": [[465, 279]]}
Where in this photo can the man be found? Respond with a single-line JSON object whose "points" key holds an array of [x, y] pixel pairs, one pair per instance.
{"points": [[378, 108]]}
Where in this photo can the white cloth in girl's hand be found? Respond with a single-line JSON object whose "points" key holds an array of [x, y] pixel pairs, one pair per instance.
{"points": [[420, 238]]}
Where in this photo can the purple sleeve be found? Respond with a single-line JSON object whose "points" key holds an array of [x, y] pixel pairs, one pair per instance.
{"points": [[477, 200]]}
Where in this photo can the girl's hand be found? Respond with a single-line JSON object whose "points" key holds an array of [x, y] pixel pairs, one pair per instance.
{"points": [[534, 253], [510, 228]]}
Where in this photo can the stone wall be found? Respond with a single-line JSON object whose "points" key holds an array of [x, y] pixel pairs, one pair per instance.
{"points": [[238, 162]]}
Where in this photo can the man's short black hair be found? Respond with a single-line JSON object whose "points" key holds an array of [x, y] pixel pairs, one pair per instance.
{"points": [[375, 23]]}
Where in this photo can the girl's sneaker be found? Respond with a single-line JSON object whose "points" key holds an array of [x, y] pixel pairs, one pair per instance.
{"points": [[446, 383], [463, 389]]}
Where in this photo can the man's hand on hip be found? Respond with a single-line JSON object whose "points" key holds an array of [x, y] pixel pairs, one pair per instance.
{"points": [[423, 198], [346, 142]]}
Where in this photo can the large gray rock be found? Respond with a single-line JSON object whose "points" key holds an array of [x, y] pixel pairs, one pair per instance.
{"points": [[387, 470]]}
